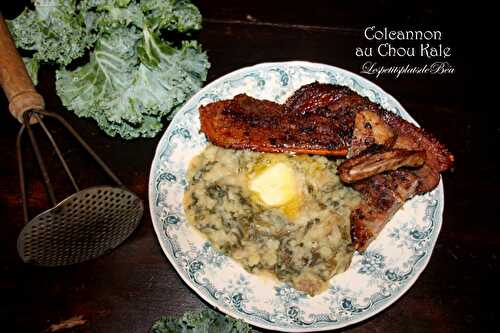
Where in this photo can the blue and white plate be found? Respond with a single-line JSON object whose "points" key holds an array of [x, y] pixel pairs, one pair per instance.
{"points": [[374, 280]]}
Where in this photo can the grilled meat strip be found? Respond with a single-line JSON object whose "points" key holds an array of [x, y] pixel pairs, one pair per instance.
{"points": [[389, 160], [368, 163], [243, 123], [317, 119], [389, 126], [383, 195], [248, 123], [370, 130], [372, 133], [371, 154]]}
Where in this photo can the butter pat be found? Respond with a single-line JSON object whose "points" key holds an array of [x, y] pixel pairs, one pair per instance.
{"points": [[275, 185]]}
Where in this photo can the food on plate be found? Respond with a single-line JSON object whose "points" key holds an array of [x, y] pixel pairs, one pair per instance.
{"points": [[248, 123], [369, 164], [283, 214], [389, 160], [268, 198], [133, 76]]}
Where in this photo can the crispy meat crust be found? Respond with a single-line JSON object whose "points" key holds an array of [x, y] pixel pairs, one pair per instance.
{"points": [[328, 119], [372, 163], [370, 130], [411, 137], [248, 123], [317, 119], [383, 195]]}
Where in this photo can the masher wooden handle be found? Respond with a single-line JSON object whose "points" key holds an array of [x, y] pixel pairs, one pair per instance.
{"points": [[14, 77]]}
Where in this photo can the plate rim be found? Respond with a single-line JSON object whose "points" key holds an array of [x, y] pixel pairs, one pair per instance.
{"points": [[228, 311]]}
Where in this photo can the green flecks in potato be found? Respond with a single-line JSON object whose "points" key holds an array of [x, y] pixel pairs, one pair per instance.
{"points": [[303, 240]]}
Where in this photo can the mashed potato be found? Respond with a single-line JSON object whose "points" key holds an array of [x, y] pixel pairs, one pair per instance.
{"points": [[278, 213]]}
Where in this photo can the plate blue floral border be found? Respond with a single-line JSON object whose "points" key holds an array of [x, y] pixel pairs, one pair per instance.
{"points": [[374, 280]]}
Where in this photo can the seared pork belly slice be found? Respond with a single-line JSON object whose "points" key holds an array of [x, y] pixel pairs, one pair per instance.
{"points": [[248, 123], [412, 137], [388, 129], [369, 130], [428, 179], [318, 118], [241, 123], [368, 163]]}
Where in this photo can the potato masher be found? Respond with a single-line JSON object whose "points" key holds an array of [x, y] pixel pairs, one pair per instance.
{"points": [[89, 222]]}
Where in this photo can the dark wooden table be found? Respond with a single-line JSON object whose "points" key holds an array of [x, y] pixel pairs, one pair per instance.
{"points": [[128, 289]]}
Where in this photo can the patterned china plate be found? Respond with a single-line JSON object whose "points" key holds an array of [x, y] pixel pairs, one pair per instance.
{"points": [[374, 279]]}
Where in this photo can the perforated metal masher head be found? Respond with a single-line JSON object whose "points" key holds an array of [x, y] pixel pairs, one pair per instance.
{"points": [[89, 222], [86, 224]]}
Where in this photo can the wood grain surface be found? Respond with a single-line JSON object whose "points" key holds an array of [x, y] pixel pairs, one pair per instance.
{"points": [[128, 289], [14, 78]]}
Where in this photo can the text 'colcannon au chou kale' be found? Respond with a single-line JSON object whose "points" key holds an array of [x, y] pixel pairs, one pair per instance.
{"points": [[133, 77]]}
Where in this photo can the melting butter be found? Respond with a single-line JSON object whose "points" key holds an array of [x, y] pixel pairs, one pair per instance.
{"points": [[275, 185]]}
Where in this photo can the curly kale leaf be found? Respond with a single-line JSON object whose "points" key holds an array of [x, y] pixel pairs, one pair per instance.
{"points": [[206, 321], [32, 66], [132, 81], [106, 15], [53, 30], [178, 15]]}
